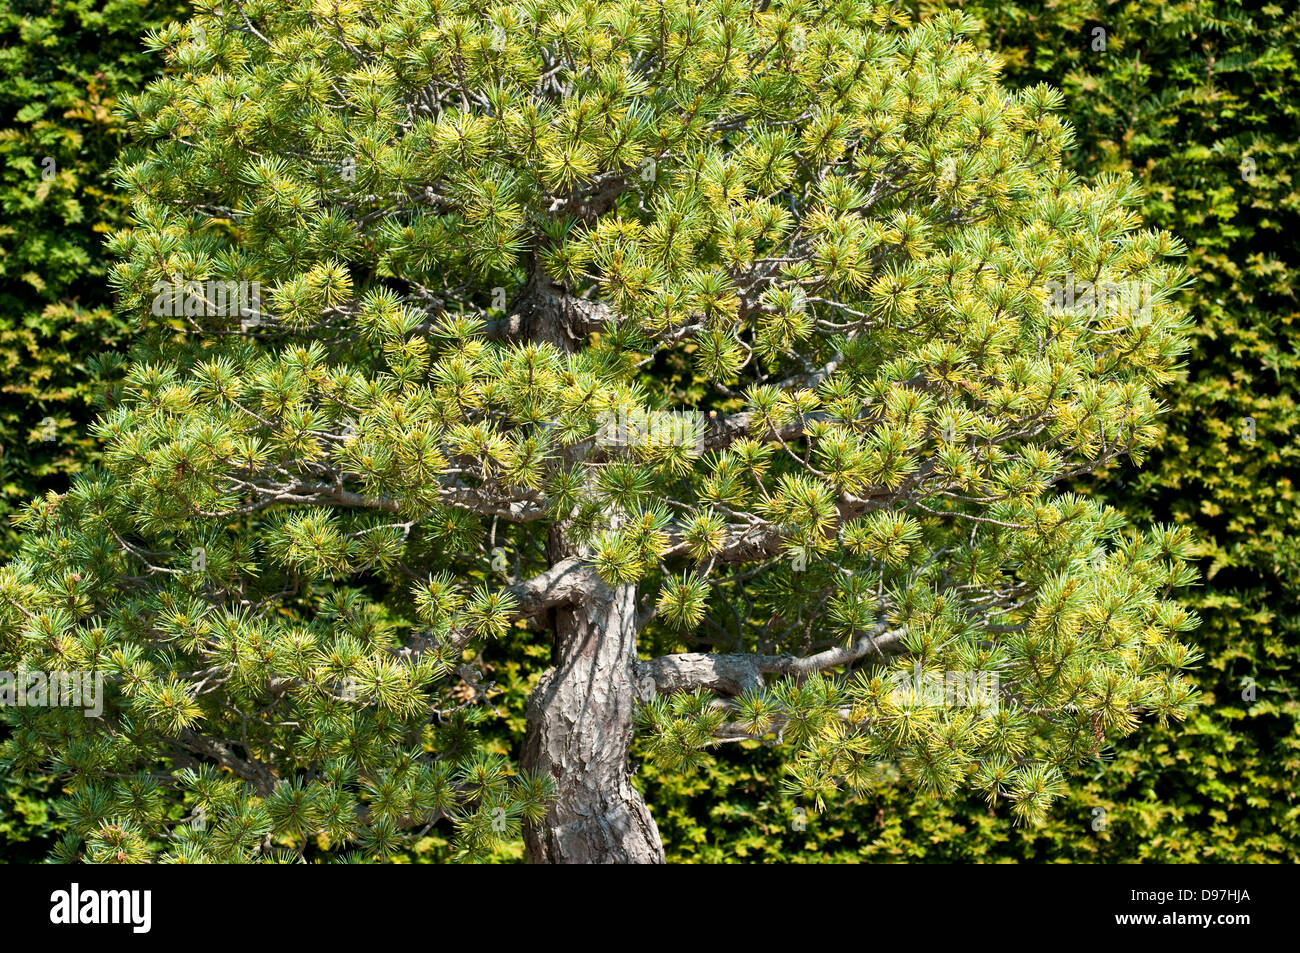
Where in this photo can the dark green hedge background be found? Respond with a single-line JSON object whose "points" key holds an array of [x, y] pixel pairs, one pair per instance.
{"points": [[1200, 99]]}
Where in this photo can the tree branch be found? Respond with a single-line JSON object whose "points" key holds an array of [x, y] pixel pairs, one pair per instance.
{"points": [[564, 583], [734, 673], [255, 773]]}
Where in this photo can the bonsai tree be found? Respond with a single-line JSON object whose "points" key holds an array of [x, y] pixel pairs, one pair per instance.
{"points": [[765, 332]]}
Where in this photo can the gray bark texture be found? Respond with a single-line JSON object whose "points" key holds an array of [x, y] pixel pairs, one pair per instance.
{"points": [[580, 732]]}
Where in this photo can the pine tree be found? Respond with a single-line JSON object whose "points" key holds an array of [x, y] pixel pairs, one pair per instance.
{"points": [[776, 327]]}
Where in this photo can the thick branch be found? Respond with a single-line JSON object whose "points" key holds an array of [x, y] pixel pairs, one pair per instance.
{"points": [[732, 674], [565, 583], [547, 313], [523, 509], [256, 774]]}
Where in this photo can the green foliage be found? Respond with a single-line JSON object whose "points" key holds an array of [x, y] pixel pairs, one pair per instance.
{"points": [[65, 66], [1198, 100], [850, 229], [1183, 94], [28, 827], [1219, 787]]}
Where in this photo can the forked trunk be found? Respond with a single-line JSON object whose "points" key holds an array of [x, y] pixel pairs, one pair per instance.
{"points": [[579, 733]]}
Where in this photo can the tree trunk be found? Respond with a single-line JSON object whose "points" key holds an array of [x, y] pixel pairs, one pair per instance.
{"points": [[580, 713], [579, 733]]}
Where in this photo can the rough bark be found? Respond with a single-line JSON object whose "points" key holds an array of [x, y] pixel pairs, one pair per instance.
{"points": [[732, 674], [579, 733], [580, 714], [546, 313]]}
